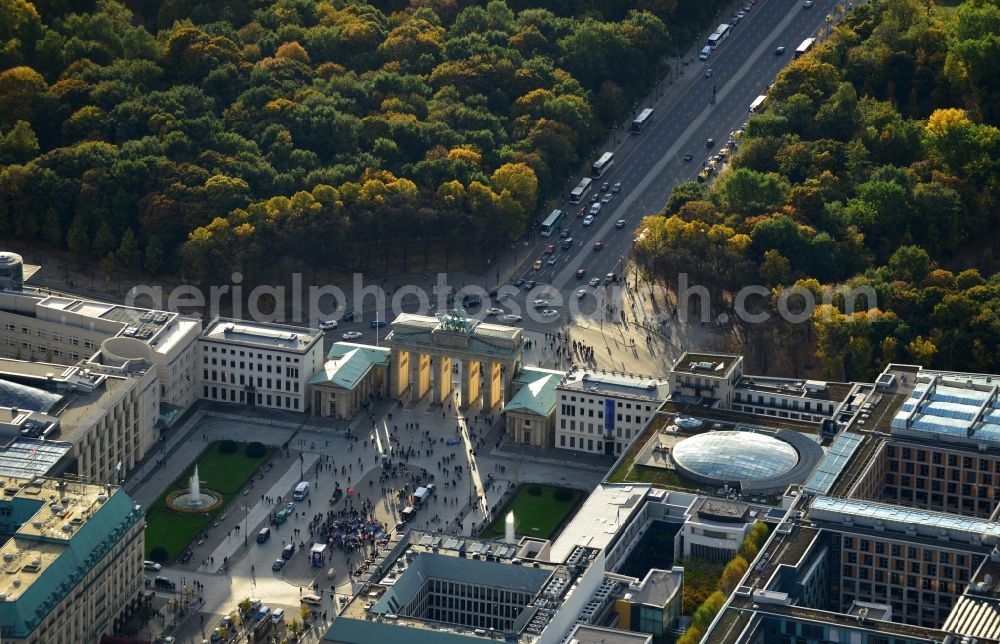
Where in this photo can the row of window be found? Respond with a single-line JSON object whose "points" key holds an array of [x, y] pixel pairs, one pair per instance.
{"points": [[56, 351], [289, 385], [784, 403], [982, 464], [571, 443], [600, 401], [243, 353], [268, 400], [56, 337], [929, 555]]}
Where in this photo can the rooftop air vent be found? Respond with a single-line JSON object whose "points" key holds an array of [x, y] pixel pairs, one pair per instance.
{"points": [[8, 557]]}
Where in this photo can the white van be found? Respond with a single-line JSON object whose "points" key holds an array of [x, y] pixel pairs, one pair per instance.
{"points": [[278, 615], [301, 491], [705, 52]]}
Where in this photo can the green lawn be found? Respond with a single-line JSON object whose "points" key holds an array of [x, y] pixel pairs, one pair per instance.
{"points": [[225, 473], [535, 516]]}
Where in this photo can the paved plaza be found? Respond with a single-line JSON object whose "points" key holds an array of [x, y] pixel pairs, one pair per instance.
{"points": [[422, 442]]}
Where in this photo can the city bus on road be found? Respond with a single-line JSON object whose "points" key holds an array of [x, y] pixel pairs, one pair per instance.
{"points": [[720, 34], [805, 46], [602, 165], [579, 193], [551, 223], [758, 104], [640, 122]]}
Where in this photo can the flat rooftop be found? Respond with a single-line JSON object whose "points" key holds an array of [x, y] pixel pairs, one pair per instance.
{"points": [[706, 364], [584, 634], [608, 507], [812, 389], [268, 336], [657, 587], [622, 385]]}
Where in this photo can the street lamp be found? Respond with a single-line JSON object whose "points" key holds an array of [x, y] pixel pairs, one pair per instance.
{"points": [[246, 520]]}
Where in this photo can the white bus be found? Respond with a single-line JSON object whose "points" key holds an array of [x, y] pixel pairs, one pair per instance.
{"points": [[602, 165], [551, 223], [301, 491], [758, 104], [640, 122], [805, 46], [579, 193], [720, 34]]}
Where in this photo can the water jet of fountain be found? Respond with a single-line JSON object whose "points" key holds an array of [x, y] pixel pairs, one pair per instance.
{"points": [[195, 491], [509, 531]]}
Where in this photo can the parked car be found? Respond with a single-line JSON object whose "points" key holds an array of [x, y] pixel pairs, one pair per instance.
{"points": [[378, 324], [278, 565], [351, 335], [263, 535], [327, 325], [288, 551], [314, 600], [349, 316], [151, 565]]}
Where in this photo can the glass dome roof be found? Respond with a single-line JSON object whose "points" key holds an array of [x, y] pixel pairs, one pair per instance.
{"points": [[735, 456]]}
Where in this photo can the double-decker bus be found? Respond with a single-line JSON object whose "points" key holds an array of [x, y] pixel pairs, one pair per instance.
{"points": [[720, 34], [640, 122], [551, 223], [579, 193], [805, 46], [758, 104], [602, 165]]}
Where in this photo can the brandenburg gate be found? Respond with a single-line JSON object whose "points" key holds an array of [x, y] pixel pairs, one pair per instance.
{"points": [[489, 356]]}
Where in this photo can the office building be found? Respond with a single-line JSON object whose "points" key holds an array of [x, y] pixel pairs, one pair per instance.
{"points": [[258, 364], [435, 588], [66, 330], [601, 412], [718, 379], [71, 560], [108, 418]]}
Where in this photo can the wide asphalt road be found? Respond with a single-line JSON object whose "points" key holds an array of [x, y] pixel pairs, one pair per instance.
{"points": [[649, 164]]}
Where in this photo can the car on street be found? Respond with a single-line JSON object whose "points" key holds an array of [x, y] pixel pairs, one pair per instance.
{"points": [[598, 245], [580, 272], [379, 324], [263, 535], [349, 316], [808, 4], [709, 73], [741, 15], [779, 51], [510, 317], [548, 313], [582, 292], [151, 565], [563, 234], [595, 209], [540, 304], [610, 277], [313, 600], [351, 335], [589, 219], [620, 224], [327, 325], [594, 199], [582, 212], [607, 197], [538, 265], [528, 285], [688, 156], [705, 52], [747, 7], [552, 260], [278, 565], [709, 143], [617, 187], [605, 186], [494, 311], [551, 248], [567, 243], [735, 19], [595, 281]]}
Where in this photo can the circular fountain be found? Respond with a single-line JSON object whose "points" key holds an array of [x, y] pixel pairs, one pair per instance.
{"points": [[194, 500]]}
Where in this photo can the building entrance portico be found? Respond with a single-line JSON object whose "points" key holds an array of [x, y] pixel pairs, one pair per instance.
{"points": [[428, 351]]}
